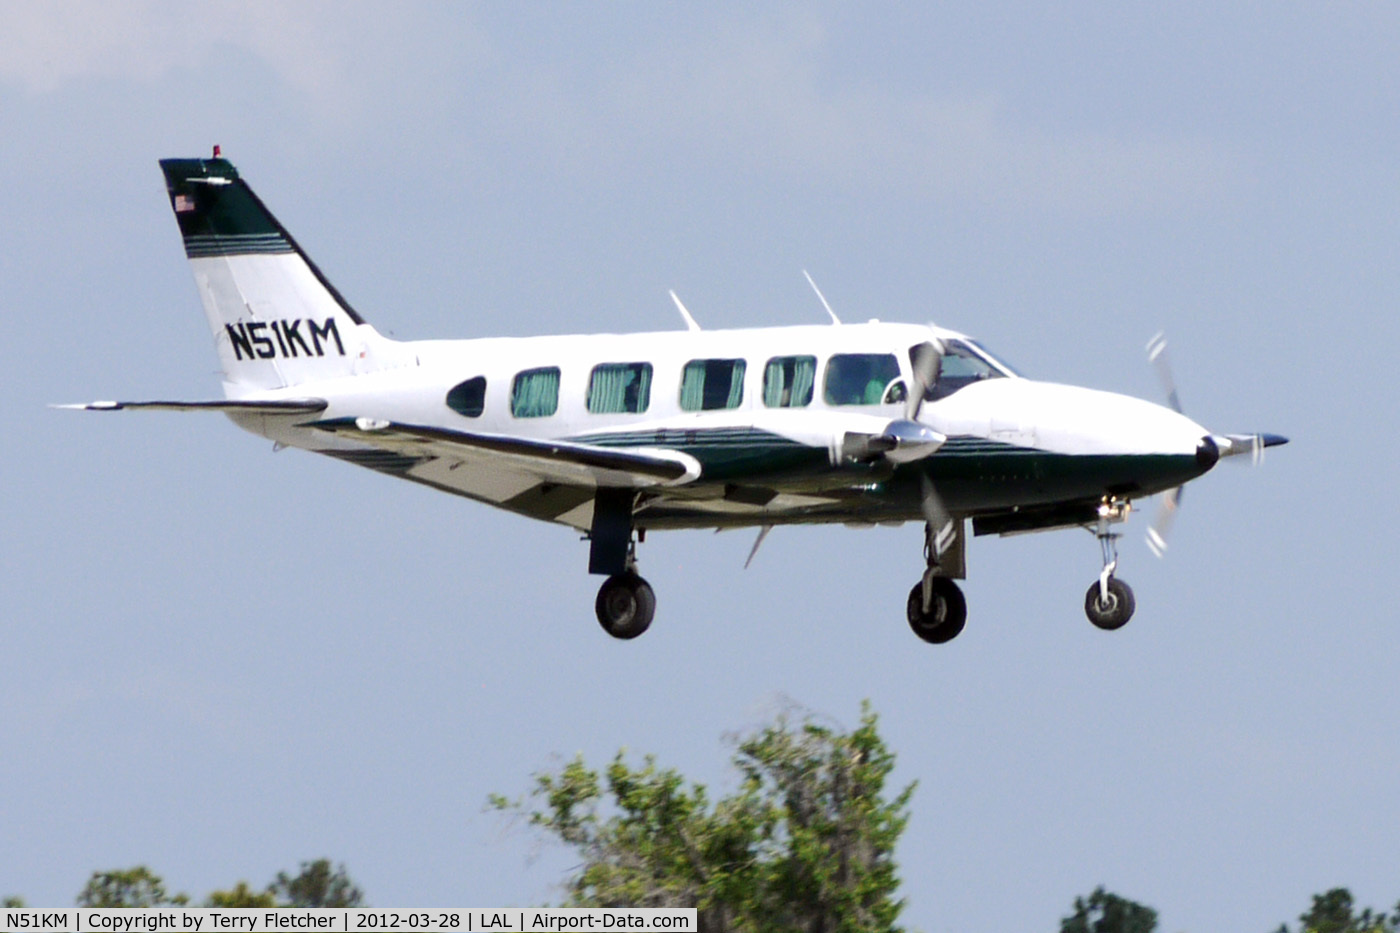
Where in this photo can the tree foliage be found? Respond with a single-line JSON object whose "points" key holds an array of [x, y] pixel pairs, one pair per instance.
{"points": [[806, 842], [316, 885], [131, 887], [1335, 912], [1105, 912], [240, 895]]}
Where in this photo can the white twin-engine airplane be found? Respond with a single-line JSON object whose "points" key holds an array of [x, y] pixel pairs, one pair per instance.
{"points": [[618, 435]]}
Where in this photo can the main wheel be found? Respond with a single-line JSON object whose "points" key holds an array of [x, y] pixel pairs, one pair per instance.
{"points": [[947, 612], [625, 605], [1116, 610]]}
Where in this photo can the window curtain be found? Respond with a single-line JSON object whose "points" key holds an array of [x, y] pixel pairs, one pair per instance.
{"points": [[804, 376], [693, 386], [608, 389], [643, 397], [783, 391], [535, 394], [773, 384], [736, 384]]}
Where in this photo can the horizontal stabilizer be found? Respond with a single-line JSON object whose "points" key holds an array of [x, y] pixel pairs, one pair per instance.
{"points": [[289, 406], [559, 461]]}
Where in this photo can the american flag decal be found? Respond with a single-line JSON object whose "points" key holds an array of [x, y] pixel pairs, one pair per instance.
{"points": [[183, 204]]}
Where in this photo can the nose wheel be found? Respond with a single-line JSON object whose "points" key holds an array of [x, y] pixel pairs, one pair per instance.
{"points": [[1112, 609], [937, 610], [1109, 603]]}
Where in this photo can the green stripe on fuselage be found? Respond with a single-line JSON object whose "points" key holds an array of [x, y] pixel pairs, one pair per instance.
{"points": [[724, 454]]}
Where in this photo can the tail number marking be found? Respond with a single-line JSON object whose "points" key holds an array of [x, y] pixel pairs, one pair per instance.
{"points": [[268, 339]]}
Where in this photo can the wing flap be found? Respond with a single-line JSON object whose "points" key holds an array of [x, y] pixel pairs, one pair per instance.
{"points": [[550, 460]]}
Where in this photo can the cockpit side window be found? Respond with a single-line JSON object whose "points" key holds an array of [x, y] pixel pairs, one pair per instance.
{"points": [[859, 378]]}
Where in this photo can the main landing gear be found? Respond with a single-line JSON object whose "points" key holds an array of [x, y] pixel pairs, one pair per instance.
{"points": [[1109, 602], [936, 609], [626, 603]]}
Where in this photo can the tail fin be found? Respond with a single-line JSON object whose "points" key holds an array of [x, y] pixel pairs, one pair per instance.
{"points": [[276, 320]]}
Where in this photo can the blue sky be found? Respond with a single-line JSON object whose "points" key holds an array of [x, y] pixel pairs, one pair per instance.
{"points": [[220, 661]]}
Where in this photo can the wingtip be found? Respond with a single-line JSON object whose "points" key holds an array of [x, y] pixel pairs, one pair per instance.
{"points": [[86, 406]]}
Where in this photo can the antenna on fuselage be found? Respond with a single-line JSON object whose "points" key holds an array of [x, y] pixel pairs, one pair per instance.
{"points": [[689, 321], [822, 298]]}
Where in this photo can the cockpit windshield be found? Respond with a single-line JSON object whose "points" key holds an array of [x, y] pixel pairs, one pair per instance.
{"points": [[971, 348], [963, 362]]}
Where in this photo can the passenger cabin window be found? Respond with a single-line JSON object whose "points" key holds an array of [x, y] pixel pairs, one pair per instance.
{"points": [[859, 378], [787, 381], [619, 388], [468, 398], [535, 393], [707, 385]]}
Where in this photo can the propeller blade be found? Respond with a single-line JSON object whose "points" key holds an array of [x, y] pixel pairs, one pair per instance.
{"points": [[925, 371], [1162, 523], [937, 516], [1157, 354]]}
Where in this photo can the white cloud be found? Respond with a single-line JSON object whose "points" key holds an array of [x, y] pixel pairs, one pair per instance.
{"points": [[44, 46], [763, 102], [751, 95]]}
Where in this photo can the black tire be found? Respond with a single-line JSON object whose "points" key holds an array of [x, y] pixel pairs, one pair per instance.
{"points": [[1115, 613], [946, 616], [626, 604]]}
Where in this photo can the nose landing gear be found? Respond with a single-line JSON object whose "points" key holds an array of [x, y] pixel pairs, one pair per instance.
{"points": [[1109, 603], [936, 609]]}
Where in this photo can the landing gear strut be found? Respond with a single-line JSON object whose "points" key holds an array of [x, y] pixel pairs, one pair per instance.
{"points": [[1109, 603], [936, 609], [626, 602]]}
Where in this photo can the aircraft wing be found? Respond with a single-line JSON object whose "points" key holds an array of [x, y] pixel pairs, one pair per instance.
{"points": [[291, 406], [550, 461]]}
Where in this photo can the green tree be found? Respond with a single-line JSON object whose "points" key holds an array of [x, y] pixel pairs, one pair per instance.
{"points": [[240, 895], [805, 843], [12, 901], [1335, 912], [132, 887], [1105, 912], [316, 886]]}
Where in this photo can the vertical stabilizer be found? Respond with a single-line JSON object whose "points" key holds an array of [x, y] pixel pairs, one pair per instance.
{"points": [[276, 320]]}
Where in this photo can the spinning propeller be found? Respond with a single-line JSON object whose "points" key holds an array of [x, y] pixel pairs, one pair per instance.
{"points": [[1225, 445], [926, 358], [906, 440]]}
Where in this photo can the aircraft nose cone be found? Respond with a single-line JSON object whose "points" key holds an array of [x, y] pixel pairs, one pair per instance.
{"points": [[1207, 453]]}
